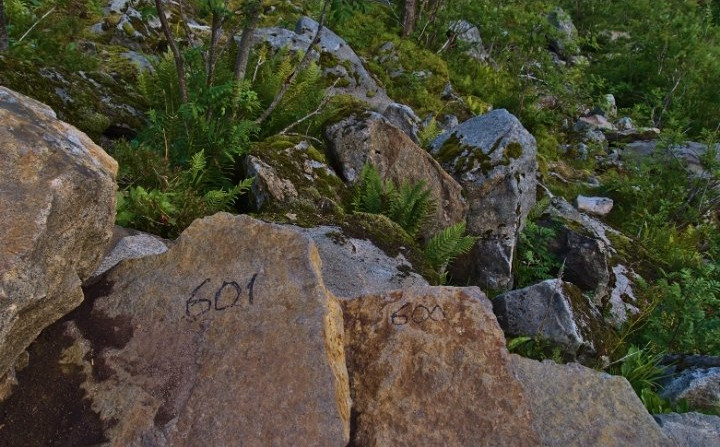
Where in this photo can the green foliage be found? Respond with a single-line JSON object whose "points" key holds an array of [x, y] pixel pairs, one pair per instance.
{"points": [[169, 208], [535, 348], [534, 261], [684, 316], [447, 245], [409, 205]]}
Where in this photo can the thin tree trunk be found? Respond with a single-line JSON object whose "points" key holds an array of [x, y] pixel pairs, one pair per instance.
{"points": [[4, 42], [409, 17], [245, 45], [179, 61], [298, 68], [217, 23]]}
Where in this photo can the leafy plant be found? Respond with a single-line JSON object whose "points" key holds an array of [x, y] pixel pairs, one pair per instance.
{"points": [[534, 261], [409, 205], [447, 245]]}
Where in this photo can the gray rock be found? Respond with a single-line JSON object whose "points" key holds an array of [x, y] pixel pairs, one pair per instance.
{"points": [[57, 202], [494, 158], [358, 80], [268, 186], [553, 310], [575, 406], [370, 138], [633, 134], [404, 118], [564, 40], [130, 247], [593, 122], [690, 429], [599, 206], [354, 267], [607, 107], [625, 123], [699, 386], [469, 35], [621, 303]]}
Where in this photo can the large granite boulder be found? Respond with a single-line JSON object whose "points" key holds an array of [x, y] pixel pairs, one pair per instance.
{"points": [[370, 138], [556, 311], [575, 406], [57, 202], [336, 57], [691, 429], [353, 267], [228, 338], [494, 159], [428, 367]]}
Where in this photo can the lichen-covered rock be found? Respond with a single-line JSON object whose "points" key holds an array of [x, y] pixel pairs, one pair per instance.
{"points": [[691, 429], [493, 157], [428, 367], [228, 338], [404, 118], [564, 40], [370, 138], [57, 202], [575, 406], [353, 267], [469, 35], [336, 57], [700, 387], [289, 172], [556, 311]]}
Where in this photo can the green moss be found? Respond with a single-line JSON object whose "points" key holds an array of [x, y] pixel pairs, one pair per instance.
{"points": [[514, 150]]}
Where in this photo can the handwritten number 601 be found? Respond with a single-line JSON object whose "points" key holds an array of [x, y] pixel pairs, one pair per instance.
{"points": [[417, 314], [220, 303]]}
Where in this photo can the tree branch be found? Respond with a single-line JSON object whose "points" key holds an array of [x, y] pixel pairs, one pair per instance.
{"points": [[179, 61]]}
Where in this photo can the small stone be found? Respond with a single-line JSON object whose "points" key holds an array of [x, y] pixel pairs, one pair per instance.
{"points": [[599, 206]]}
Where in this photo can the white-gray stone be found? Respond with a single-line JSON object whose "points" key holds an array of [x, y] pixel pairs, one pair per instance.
{"points": [[690, 429], [599, 206]]}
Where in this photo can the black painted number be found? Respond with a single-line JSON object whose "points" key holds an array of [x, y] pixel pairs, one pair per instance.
{"points": [[418, 314], [226, 296]]}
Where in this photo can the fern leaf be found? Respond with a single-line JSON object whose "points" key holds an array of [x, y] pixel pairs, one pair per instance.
{"points": [[447, 245]]}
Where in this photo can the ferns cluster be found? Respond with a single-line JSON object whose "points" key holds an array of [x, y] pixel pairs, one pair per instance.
{"points": [[447, 245], [409, 205]]}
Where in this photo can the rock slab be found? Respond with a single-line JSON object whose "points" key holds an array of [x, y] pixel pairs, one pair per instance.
{"points": [[428, 367], [228, 338], [575, 406], [691, 429], [57, 202]]}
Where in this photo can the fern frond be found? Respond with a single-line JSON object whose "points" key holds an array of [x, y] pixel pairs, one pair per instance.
{"points": [[369, 192], [411, 206], [447, 245]]}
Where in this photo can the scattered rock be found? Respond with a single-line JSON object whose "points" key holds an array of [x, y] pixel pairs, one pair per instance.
{"points": [[129, 245], [607, 107], [699, 386], [228, 337], [57, 199], [690, 429], [353, 267], [630, 135], [469, 36], [625, 123], [564, 41], [556, 311], [494, 158], [370, 138], [575, 406], [428, 366], [335, 56], [594, 123], [404, 118], [599, 206]]}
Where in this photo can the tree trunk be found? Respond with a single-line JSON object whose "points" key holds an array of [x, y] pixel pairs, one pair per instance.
{"points": [[4, 42], [179, 61], [409, 17], [245, 45], [216, 29]]}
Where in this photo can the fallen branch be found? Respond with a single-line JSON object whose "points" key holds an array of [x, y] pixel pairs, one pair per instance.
{"points": [[315, 112], [36, 23]]}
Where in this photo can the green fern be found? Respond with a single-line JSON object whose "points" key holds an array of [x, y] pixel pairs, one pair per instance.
{"points": [[411, 206], [447, 245], [369, 192]]}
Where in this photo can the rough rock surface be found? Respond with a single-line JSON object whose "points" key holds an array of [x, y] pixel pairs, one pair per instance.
{"points": [[691, 429], [574, 406], [553, 310], [593, 122], [228, 338], [428, 367], [469, 35], [353, 267], [370, 138], [495, 160], [404, 118], [358, 81], [57, 202], [129, 245], [699, 386], [564, 42], [599, 206]]}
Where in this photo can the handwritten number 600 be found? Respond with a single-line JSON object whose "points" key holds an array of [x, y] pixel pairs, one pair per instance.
{"points": [[219, 303], [417, 314]]}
